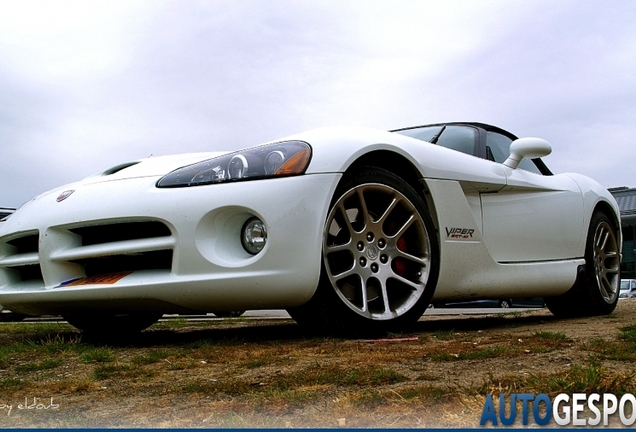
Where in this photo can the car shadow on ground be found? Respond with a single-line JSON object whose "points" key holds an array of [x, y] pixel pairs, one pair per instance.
{"points": [[241, 331]]}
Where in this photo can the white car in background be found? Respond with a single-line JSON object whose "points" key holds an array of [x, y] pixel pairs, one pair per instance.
{"points": [[349, 229], [628, 289]]}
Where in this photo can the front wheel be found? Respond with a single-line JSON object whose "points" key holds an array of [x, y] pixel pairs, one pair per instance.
{"points": [[380, 258], [597, 287]]}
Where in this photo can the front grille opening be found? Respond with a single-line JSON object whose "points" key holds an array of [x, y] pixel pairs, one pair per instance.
{"points": [[28, 273], [155, 260], [25, 244], [92, 235]]}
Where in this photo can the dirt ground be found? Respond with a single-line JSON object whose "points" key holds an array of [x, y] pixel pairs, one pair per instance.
{"points": [[267, 373]]}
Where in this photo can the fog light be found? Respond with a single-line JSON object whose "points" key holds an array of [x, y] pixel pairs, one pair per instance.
{"points": [[254, 235]]}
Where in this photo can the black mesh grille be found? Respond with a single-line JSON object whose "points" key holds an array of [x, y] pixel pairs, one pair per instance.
{"points": [[156, 260], [30, 273], [99, 234], [25, 244]]}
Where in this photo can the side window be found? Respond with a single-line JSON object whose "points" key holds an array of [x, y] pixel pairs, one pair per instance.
{"points": [[458, 138], [498, 149]]}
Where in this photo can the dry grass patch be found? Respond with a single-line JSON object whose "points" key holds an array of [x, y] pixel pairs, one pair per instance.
{"points": [[590, 378], [240, 373]]}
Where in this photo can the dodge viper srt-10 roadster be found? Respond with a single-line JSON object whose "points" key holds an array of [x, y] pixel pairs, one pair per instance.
{"points": [[348, 229]]}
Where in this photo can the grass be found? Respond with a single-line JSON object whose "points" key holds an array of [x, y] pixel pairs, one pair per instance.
{"points": [[97, 355], [104, 372], [152, 356], [445, 335], [628, 333], [228, 373], [426, 392], [9, 384], [57, 343], [39, 366], [473, 354], [622, 349], [460, 348], [556, 337], [301, 380], [590, 378]]}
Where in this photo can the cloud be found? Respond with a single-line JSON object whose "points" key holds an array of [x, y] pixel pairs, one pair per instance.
{"points": [[88, 85]]}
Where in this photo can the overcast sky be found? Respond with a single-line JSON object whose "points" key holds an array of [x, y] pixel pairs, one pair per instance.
{"points": [[85, 85]]}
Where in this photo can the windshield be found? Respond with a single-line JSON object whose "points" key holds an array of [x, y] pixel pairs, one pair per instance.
{"points": [[624, 285], [427, 133]]}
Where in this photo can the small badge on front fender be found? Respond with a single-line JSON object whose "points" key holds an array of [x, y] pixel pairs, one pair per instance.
{"points": [[65, 195]]}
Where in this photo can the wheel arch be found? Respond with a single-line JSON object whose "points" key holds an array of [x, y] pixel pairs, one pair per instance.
{"points": [[403, 168], [608, 210], [596, 198], [605, 207], [393, 162]]}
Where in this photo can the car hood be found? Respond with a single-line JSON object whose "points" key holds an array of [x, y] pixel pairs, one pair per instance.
{"points": [[156, 166], [150, 167]]}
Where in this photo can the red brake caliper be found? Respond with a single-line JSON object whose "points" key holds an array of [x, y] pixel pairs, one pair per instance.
{"points": [[398, 264]]}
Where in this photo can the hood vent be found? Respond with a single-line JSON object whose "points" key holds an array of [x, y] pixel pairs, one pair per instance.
{"points": [[118, 168]]}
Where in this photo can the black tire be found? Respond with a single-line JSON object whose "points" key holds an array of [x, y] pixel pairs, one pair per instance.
{"points": [[380, 258], [229, 314], [597, 286], [112, 325]]}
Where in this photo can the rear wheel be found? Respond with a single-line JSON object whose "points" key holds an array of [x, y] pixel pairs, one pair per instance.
{"points": [[597, 287], [112, 325], [380, 258]]}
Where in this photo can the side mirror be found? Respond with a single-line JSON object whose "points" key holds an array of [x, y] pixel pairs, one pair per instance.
{"points": [[527, 148]]}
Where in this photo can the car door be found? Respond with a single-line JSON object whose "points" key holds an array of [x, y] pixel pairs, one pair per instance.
{"points": [[534, 217], [526, 214]]}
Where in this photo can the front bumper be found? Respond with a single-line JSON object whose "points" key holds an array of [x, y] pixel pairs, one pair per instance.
{"points": [[168, 250]]}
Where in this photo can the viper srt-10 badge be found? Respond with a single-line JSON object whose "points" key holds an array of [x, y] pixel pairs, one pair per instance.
{"points": [[459, 233]]}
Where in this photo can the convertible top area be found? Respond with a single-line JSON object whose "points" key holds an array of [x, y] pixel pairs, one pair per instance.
{"points": [[479, 139]]}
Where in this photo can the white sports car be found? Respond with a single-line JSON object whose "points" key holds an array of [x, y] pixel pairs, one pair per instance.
{"points": [[349, 229]]}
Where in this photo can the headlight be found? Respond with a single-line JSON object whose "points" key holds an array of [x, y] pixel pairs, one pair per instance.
{"points": [[286, 158]]}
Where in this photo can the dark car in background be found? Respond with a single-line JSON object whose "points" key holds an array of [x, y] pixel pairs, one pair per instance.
{"points": [[534, 302], [5, 212]]}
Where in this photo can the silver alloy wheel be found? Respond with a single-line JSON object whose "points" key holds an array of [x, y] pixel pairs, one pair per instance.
{"points": [[606, 261], [377, 251]]}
